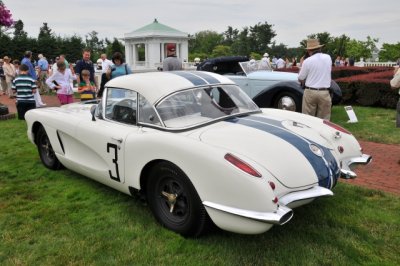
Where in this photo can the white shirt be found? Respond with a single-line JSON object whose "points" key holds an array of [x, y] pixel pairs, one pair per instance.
{"points": [[105, 65], [280, 63], [316, 71], [63, 80]]}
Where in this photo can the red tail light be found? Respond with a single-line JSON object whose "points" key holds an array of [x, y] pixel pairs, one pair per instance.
{"points": [[245, 167], [337, 127]]}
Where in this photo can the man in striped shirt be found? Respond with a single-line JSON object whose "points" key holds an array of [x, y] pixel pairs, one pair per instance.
{"points": [[24, 86]]}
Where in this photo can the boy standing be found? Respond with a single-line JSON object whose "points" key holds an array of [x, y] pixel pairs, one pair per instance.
{"points": [[25, 87]]}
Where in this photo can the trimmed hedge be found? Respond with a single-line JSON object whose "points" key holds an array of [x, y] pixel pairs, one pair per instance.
{"points": [[365, 86]]}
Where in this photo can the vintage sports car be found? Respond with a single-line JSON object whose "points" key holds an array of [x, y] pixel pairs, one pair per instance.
{"points": [[266, 87], [198, 149]]}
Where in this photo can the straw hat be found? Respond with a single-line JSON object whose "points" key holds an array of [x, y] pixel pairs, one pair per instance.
{"points": [[6, 58], [313, 44]]}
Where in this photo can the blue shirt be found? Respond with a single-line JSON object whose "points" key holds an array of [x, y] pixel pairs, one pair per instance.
{"points": [[32, 71], [43, 64], [120, 70]]}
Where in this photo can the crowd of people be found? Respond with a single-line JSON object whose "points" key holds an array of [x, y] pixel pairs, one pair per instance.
{"points": [[25, 82]]}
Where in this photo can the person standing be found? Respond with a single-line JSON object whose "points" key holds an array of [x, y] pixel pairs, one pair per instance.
{"points": [[119, 68], [85, 63], [32, 73], [3, 84], [61, 82], [171, 62], [395, 84], [280, 63], [105, 65], [24, 86], [9, 73], [315, 74], [86, 88], [43, 69]]}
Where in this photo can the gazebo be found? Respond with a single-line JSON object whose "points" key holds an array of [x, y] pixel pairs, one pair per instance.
{"points": [[145, 48]]}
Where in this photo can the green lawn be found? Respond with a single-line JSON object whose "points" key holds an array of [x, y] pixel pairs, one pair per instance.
{"points": [[62, 218]]}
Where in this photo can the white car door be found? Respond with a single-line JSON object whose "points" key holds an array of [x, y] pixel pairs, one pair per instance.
{"points": [[105, 138]]}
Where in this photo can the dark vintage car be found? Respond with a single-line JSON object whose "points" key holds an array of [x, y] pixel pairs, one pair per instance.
{"points": [[266, 87]]}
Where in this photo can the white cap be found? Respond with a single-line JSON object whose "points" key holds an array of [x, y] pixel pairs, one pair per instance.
{"points": [[266, 55]]}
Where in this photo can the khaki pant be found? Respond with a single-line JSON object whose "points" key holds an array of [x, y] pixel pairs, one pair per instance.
{"points": [[317, 103]]}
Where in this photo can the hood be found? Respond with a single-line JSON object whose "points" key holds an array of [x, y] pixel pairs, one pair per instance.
{"points": [[286, 155]]}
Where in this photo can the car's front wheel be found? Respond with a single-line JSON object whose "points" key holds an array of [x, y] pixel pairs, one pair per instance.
{"points": [[46, 152], [287, 101], [175, 202]]}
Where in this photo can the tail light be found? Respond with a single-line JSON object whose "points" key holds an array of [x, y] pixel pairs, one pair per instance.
{"points": [[245, 167], [337, 127]]}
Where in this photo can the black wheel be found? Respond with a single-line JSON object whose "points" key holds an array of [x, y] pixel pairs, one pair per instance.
{"points": [[174, 201], [287, 101], [46, 153]]}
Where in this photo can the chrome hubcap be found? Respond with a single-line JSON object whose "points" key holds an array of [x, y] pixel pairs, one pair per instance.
{"points": [[287, 103]]}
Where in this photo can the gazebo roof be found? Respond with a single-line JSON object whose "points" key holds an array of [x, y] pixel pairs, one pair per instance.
{"points": [[155, 29]]}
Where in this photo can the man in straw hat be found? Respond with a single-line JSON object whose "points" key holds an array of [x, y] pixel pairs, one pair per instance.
{"points": [[315, 72]]}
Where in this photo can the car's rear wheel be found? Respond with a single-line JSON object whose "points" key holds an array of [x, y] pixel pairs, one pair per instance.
{"points": [[46, 152], [287, 101], [175, 202]]}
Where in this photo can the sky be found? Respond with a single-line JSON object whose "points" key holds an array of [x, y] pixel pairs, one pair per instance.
{"points": [[292, 20]]}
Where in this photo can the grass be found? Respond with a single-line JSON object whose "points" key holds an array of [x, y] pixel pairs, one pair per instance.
{"points": [[62, 218], [374, 124]]}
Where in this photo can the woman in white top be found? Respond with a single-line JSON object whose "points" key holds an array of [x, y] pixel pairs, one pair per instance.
{"points": [[60, 81]]}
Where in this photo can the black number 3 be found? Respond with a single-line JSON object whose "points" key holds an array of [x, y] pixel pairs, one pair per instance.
{"points": [[115, 161]]}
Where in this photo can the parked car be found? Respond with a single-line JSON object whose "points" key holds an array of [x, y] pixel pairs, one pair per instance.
{"points": [[198, 149], [266, 87]]}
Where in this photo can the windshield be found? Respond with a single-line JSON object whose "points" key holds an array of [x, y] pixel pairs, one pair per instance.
{"points": [[256, 65], [201, 105]]}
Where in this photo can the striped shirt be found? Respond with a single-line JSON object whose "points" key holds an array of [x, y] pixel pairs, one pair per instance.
{"points": [[24, 85]]}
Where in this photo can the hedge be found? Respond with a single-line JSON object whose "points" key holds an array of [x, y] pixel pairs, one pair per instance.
{"points": [[365, 86]]}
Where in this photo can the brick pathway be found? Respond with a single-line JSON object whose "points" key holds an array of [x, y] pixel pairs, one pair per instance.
{"points": [[383, 173]]}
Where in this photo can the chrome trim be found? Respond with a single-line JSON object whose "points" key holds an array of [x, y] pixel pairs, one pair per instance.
{"points": [[311, 193], [281, 216], [346, 172]]}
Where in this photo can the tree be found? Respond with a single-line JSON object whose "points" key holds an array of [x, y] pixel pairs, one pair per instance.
{"points": [[260, 37], [95, 44], [359, 49], [221, 50], [389, 52], [46, 42], [230, 36], [242, 45], [205, 41]]}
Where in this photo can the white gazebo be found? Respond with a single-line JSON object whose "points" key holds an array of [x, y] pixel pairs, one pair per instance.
{"points": [[145, 48]]}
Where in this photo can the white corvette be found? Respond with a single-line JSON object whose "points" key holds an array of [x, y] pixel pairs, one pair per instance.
{"points": [[198, 149]]}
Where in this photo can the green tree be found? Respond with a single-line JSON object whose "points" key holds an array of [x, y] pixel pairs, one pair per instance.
{"points": [[260, 37], [221, 50], [389, 52], [230, 36], [46, 43], [242, 46], [361, 49], [95, 44], [205, 41]]}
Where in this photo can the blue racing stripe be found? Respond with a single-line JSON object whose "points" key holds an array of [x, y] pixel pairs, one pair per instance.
{"points": [[210, 79], [197, 81], [327, 172]]}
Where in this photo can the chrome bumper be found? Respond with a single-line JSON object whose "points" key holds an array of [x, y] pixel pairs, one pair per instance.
{"points": [[281, 216], [312, 193], [346, 173]]}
